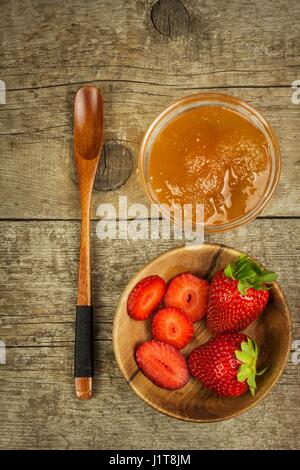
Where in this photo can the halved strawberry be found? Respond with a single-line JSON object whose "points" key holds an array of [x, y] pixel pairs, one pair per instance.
{"points": [[162, 364], [190, 294], [145, 297], [173, 326]]}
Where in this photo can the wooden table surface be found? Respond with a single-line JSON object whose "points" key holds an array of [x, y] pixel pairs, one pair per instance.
{"points": [[143, 55]]}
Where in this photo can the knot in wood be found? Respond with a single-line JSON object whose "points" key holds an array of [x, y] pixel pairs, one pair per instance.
{"points": [[170, 18], [114, 169]]}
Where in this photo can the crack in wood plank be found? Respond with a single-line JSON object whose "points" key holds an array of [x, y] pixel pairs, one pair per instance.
{"points": [[213, 262]]}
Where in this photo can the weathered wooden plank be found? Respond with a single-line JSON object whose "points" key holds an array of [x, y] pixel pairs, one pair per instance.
{"points": [[50, 49], [37, 297], [36, 152], [237, 43], [41, 412], [39, 262], [53, 364], [143, 55], [117, 419]]}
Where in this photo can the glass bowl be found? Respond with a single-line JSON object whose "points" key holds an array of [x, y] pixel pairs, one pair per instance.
{"points": [[225, 101]]}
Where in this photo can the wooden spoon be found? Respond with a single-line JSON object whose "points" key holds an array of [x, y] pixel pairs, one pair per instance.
{"points": [[88, 137]]}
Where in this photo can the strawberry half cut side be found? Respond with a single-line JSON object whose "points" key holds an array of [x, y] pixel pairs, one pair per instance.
{"points": [[188, 293], [145, 297], [162, 364], [173, 326]]}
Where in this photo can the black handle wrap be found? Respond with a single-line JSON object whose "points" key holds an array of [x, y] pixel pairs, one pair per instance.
{"points": [[84, 361]]}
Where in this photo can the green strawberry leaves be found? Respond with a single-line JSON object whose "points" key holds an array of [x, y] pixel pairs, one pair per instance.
{"points": [[229, 271], [249, 274], [243, 373], [243, 357], [262, 371], [248, 357]]}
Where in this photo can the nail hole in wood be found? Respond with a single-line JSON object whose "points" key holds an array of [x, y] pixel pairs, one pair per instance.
{"points": [[170, 18], [114, 168]]}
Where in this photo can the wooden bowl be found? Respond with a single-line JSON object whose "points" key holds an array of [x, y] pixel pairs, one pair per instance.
{"points": [[272, 331]]}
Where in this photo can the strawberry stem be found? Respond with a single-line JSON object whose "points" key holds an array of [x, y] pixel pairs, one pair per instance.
{"points": [[248, 357], [249, 274]]}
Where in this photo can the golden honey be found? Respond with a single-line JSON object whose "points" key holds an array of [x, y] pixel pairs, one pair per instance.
{"points": [[214, 156]]}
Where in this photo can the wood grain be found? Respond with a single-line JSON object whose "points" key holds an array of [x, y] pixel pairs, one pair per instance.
{"points": [[170, 18], [47, 51], [37, 291], [42, 153], [114, 169], [250, 51], [228, 44]]}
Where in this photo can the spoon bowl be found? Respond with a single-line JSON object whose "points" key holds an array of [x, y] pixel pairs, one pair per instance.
{"points": [[88, 122]]}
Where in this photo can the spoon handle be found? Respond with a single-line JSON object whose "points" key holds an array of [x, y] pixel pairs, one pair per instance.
{"points": [[83, 365], [84, 361]]}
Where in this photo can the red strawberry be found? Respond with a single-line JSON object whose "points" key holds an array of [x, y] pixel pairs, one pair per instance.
{"points": [[189, 293], [145, 297], [226, 365], [162, 364], [237, 296], [173, 326]]}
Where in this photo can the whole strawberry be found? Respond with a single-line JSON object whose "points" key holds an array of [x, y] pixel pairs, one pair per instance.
{"points": [[226, 365], [237, 295]]}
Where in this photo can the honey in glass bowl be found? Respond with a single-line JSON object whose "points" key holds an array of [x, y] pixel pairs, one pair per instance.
{"points": [[213, 150]]}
